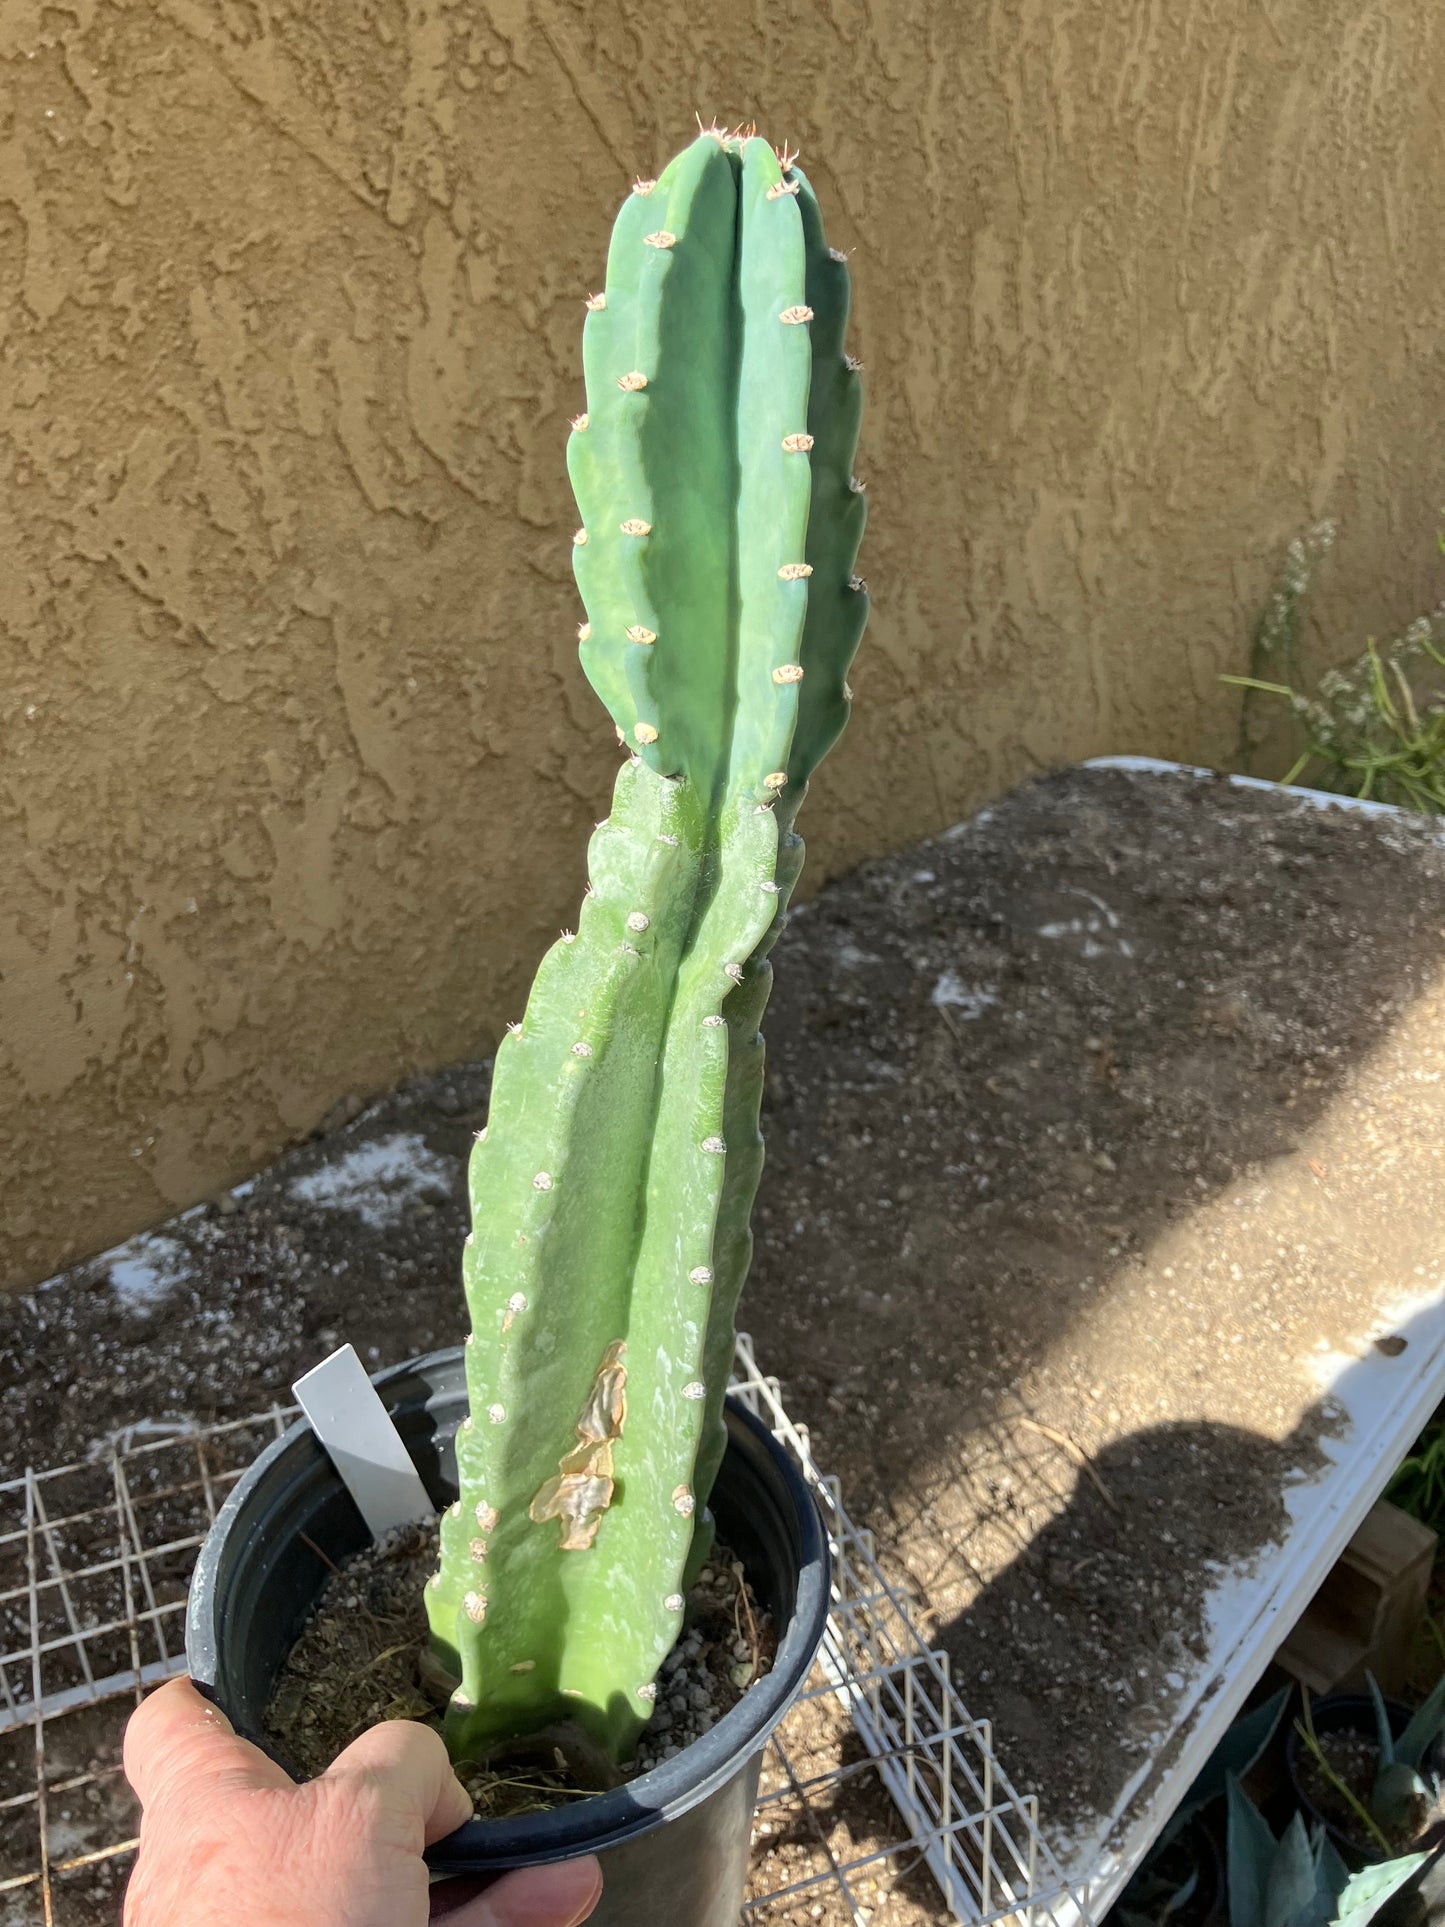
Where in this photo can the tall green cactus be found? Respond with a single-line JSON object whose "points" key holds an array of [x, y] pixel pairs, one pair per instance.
{"points": [[612, 1189]]}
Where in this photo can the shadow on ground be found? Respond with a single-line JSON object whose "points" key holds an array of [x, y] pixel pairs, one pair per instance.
{"points": [[1011, 1070]]}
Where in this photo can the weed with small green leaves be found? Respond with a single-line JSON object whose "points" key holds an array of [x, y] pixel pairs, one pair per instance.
{"points": [[1375, 729]]}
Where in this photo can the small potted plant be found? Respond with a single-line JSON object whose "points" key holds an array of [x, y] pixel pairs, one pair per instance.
{"points": [[1370, 1770], [1299, 1880], [580, 1445], [1181, 1878]]}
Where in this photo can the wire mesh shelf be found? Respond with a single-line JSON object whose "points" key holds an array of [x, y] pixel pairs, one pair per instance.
{"points": [[882, 1799]]}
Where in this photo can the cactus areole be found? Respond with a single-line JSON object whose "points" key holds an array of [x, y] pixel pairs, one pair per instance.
{"points": [[612, 1189]]}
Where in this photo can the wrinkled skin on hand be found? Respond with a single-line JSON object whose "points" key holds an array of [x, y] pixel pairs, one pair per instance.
{"points": [[228, 1840]]}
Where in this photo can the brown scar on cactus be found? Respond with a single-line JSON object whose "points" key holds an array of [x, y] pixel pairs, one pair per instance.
{"points": [[582, 1489]]}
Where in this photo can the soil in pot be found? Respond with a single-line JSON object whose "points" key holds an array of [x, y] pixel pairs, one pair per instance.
{"points": [[1352, 1757], [361, 1659]]}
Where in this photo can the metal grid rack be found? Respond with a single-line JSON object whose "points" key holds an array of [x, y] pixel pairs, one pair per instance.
{"points": [[882, 1800]]}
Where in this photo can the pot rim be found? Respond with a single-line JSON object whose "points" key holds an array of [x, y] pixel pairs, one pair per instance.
{"points": [[667, 1790]]}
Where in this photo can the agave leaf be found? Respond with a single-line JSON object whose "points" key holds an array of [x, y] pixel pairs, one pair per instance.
{"points": [[1382, 1724], [1365, 1893], [1236, 1753], [1181, 1896], [1334, 1874], [1393, 1797], [1249, 1855], [1290, 1891], [1424, 1727]]}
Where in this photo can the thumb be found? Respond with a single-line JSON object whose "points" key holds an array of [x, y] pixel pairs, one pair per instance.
{"points": [[411, 1762], [562, 1895], [177, 1739]]}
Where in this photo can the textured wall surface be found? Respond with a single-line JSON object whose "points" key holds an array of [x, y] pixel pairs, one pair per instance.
{"points": [[297, 763]]}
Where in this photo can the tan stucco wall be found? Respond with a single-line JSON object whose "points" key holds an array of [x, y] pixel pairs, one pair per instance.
{"points": [[297, 763]]}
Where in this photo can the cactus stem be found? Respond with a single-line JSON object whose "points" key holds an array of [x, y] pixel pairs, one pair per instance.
{"points": [[632, 383]]}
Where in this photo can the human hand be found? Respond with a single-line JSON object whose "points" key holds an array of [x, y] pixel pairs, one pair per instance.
{"points": [[228, 1840]]}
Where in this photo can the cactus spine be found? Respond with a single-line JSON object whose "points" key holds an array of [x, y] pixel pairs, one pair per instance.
{"points": [[612, 1190]]}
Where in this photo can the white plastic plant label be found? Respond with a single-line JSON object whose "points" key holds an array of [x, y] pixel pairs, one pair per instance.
{"points": [[348, 1417]]}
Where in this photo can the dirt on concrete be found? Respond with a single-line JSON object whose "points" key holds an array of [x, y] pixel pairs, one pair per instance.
{"points": [[1094, 1127]]}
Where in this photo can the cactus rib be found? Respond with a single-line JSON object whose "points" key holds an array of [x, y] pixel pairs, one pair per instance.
{"points": [[612, 1188]]}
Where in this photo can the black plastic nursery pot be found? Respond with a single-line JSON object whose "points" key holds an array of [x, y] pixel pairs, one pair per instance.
{"points": [[673, 1842], [1339, 1713]]}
